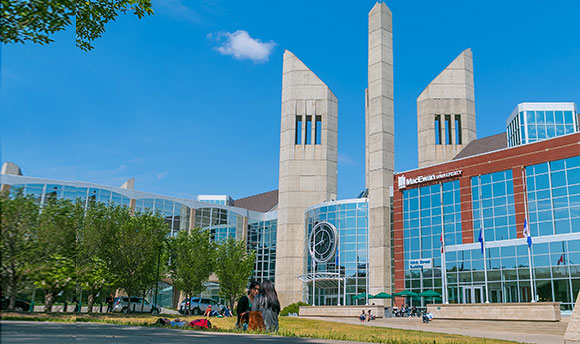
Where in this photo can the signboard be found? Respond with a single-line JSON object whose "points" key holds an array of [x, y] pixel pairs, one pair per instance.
{"points": [[404, 182], [424, 263]]}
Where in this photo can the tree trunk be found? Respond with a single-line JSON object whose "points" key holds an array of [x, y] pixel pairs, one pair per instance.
{"points": [[48, 301], [90, 302], [12, 302], [142, 303], [12, 291]]}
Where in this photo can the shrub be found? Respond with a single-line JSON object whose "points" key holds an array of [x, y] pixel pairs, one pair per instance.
{"points": [[292, 308]]}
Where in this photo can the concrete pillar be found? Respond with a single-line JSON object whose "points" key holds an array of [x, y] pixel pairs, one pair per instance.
{"points": [[9, 168], [192, 212], [451, 94], [129, 184], [380, 142], [307, 171]]}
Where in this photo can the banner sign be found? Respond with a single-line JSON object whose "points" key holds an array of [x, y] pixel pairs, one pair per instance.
{"points": [[424, 263], [404, 182]]}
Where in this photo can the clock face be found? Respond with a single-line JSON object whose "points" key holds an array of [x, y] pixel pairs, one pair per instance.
{"points": [[322, 242]]}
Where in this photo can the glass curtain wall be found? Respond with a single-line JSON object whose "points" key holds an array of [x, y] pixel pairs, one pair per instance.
{"points": [[426, 211], [262, 240], [222, 222], [553, 204], [547, 124], [176, 215], [350, 218], [553, 191]]}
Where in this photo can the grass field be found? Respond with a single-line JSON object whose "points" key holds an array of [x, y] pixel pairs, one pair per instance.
{"points": [[289, 326]]}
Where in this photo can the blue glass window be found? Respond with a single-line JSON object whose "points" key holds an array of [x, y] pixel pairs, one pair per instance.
{"points": [[298, 133]]}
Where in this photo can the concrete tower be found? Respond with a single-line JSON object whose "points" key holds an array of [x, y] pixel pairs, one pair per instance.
{"points": [[380, 145], [308, 163], [446, 112]]}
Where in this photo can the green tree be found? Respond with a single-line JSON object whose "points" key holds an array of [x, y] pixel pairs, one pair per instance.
{"points": [[54, 269], [37, 20], [18, 235], [135, 249], [192, 261], [234, 266], [94, 267]]}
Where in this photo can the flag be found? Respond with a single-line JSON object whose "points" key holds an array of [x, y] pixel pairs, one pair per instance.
{"points": [[442, 242], [561, 260], [481, 239], [527, 234], [336, 257]]}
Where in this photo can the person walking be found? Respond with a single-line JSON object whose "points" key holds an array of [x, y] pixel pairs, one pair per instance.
{"points": [[267, 303], [110, 300], [245, 305]]}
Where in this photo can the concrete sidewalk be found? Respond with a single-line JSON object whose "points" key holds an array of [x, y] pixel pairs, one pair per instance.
{"points": [[534, 333]]}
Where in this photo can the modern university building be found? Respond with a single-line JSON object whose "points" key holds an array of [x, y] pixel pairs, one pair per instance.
{"points": [[471, 196]]}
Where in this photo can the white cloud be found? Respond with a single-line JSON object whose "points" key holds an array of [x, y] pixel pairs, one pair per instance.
{"points": [[241, 46], [162, 175], [179, 10]]}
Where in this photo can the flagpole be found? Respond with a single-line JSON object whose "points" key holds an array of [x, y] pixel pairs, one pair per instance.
{"points": [[443, 264], [481, 228], [532, 289]]}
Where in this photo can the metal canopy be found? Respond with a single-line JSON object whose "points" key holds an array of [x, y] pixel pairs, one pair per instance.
{"points": [[323, 279]]}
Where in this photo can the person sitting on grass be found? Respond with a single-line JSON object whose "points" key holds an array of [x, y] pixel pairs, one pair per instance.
{"points": [[363, 316], [227, 312], [208, 312], [427, 317]]}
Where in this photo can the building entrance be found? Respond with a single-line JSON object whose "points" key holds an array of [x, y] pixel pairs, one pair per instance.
{"points": [[473, 294]]}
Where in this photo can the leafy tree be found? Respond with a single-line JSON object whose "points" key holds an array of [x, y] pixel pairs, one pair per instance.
{"points": [[54, 269], [18, 235], [234, 266], [94, 272], [135, 247], [192, 261], [37, 20]]}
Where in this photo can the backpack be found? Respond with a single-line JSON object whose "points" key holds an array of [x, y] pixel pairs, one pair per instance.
{"points": [[201, 323]]}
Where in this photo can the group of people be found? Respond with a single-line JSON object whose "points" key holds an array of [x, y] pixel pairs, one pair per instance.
{"points": [[406, 311], [366, 316], [225, 312], [259, 309]]}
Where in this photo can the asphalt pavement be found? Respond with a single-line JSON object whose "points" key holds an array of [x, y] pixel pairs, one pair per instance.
{"points": [[61, 333]]}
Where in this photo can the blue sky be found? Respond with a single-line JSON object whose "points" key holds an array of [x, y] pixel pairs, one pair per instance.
{"points": [[188, 106]]}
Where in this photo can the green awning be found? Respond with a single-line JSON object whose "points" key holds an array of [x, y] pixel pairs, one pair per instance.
{"points": [[383, 295], [361, 296], [406, 293], [430, 293]]}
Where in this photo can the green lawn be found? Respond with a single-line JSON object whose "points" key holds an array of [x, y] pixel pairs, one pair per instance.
{"points": [[289, 326]]}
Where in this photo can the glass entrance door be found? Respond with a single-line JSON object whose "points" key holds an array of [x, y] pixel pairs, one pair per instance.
{"points": [[473, 294]]}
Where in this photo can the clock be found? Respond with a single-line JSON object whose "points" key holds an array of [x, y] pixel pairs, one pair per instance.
{"points": [[322, 242]]}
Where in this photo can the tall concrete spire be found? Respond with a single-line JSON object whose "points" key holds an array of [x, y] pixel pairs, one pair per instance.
{"points": [[308, 164], [380, 145], [446, 112]]}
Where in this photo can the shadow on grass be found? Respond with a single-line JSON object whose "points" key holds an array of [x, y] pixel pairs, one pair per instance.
{"points": [[290, 327]]}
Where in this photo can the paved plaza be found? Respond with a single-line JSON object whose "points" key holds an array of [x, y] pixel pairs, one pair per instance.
{"points": [[531, 332]]}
